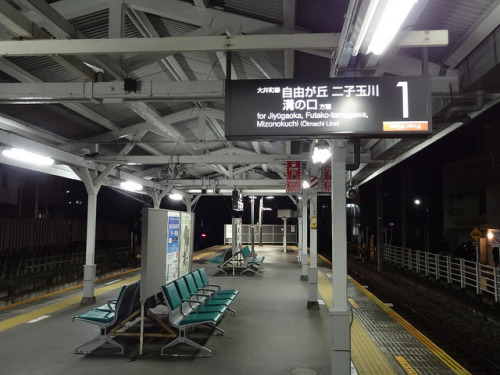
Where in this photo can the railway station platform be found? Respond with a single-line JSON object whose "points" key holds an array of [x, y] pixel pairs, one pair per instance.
{"points": [[272, 332]]}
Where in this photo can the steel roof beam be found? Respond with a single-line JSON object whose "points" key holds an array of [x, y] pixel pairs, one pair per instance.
{"points": [[202, 159], [152, 117], [169, 45], [59, 92], [136, 62], [23, 28], [226, 183]]}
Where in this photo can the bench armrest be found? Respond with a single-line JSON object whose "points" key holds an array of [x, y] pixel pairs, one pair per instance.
{"points": [[214, 285], [193, 301]]}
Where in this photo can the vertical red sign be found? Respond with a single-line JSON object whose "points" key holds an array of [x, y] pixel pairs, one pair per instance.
{"points": [[327, 178], [294, 176]]}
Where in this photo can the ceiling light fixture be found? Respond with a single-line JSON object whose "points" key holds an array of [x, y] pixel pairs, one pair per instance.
{"points": [[27, 157], [306, 184], [130, 186], [389, 23], [321, 154], [175, 197], [367, 20]]}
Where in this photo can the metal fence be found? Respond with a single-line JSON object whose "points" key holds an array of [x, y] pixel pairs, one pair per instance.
{"points": [[271, 234], [482, 278]]}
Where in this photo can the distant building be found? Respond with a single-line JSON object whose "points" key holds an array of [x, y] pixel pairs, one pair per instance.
{"points": [[471, 187]]}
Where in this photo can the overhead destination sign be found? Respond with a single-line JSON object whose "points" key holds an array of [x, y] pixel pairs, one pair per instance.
{"points": [[334, 107]]}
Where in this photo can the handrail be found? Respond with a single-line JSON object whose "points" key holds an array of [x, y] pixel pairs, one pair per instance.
{"points": [[483, 279]]}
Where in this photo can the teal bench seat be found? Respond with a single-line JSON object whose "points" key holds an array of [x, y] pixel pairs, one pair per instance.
{"points": [[184, 320], [107, 319], [209, 298], [252, 263], [217, 287]]}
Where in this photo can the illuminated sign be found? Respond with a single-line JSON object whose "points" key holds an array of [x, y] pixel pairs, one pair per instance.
{"points": [[293, 176], [374, 106], [237, 200]]}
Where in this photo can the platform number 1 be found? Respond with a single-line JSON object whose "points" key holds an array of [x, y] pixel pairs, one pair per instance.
{"points": [[404, 88]]}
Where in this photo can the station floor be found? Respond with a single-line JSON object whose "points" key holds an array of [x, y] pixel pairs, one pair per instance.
{"points": [[272, 332]]}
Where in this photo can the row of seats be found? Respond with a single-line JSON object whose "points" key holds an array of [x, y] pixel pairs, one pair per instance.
{"points": [[243, 259], [191, 301], [112, 316]]}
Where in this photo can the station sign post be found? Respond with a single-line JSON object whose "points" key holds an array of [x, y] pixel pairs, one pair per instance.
{"points": [[376, 107], [334, 107]]}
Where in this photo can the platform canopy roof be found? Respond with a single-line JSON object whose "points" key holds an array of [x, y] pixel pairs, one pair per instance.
{"points": [[117, 90]]}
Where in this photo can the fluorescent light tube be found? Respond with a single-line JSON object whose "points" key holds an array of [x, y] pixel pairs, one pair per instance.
{"points": [[27, 157], [364, 26], [130, 186], [389, 23]]}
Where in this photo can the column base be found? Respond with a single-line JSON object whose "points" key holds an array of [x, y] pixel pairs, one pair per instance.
{"points": [[313, 305], [88, 301]]}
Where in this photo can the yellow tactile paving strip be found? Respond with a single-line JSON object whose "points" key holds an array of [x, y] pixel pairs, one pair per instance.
{"points": [[366, 356], [46, 310], [436, 350]]}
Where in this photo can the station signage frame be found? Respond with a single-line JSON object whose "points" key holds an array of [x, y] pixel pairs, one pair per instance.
{"points": [[382, 107]]}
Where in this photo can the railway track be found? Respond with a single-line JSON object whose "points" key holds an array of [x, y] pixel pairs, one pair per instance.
{"points": [[471, 338], [463, 353]]}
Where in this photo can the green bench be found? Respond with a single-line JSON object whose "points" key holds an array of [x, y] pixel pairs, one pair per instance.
{"points": [[196, 305], [184, 318], [223, 260], [206, 283], [252, 263], [208, 295], [110, 316]]}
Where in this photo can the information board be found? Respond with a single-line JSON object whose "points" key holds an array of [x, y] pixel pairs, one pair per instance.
{"points": [[364, 106], [186, 244], [172, 269]]}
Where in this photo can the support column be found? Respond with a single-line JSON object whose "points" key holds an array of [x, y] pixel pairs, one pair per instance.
{"points": [[341, 315], [89, 269], [304, 258], [261, 204], [312, 301], [92, 184], [252, 228], [284, 234]]}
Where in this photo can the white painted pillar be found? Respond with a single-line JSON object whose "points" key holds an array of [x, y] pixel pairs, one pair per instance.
{"points": [[284, 234], [341, 315], [92, 185], [299, 234], [89, 269], [312, 301], [304, 257]]}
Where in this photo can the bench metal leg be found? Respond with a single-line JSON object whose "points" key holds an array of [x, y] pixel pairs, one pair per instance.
{"points": [[218, 329], [182, 339], [252, 269], [100, 338]]}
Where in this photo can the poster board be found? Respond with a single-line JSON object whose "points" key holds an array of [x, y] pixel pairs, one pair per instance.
{"points": [[237, 235], [172, 261], [186, 243], [165, 252]]}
